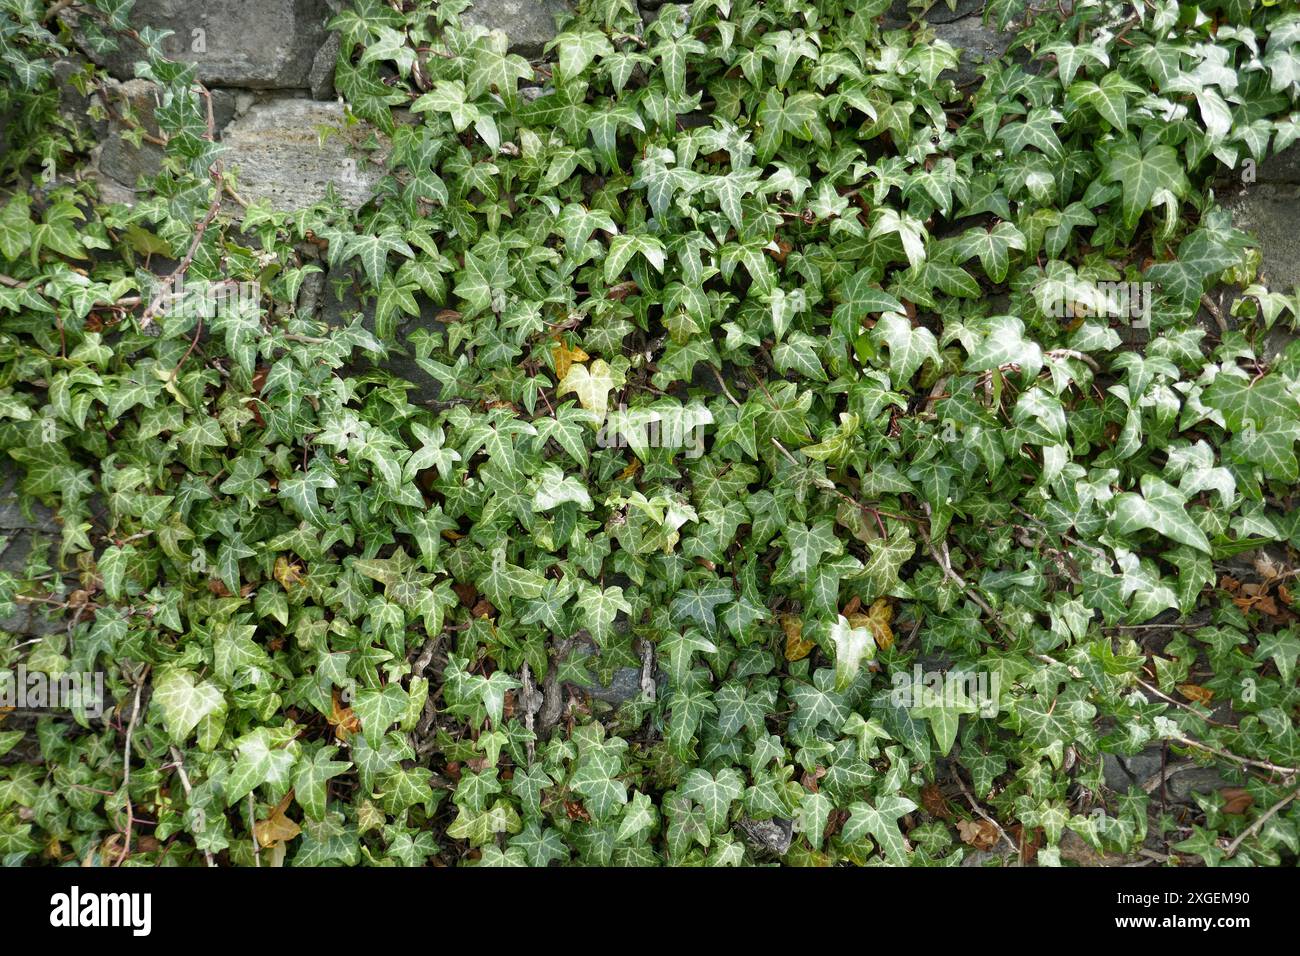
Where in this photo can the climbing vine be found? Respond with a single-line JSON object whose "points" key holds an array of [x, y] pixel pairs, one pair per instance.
{"points": [[826, 462]]}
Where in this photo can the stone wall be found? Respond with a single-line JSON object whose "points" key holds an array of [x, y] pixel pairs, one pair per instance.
{"points": [[270, 66], [20, 530]]}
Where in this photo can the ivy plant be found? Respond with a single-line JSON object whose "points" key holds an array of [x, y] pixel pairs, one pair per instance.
{"points": [[735, 451]]}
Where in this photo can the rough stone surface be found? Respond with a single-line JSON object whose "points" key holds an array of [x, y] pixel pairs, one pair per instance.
{"points": [[321, 76], [1181, 781], [1271, 210], [73, 104], [267, 44], [1074, 850], [18, 533], [979, 859], [1124, 772], [311, 295], [1182, 786], [277, 149], [1284, 167], [12, 516], [977, 43], [940, 12], [774, 836], [123, 162], [897, 16], [625, 686], [530, 24]]}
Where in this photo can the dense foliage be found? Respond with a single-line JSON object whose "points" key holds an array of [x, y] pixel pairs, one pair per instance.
{"points": [[344, 622]]}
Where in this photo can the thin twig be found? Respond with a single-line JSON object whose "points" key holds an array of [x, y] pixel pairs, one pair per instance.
{"points": [[180, 270], [1087, 360], [1228, 755], [185, 785], [974, 805], [1161, 776], [126, 770], [1213, 309], [55, 9], [944, 561], [1258, 824], [252, 829], [1178, 703], [723, 385]]}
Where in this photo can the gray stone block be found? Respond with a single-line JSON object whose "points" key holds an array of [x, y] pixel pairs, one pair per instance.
{"points": [[625, 686], [321, 77], [530, 24], [898, 16], [1283, 167], [1181, 786], [1272, 212], [278, 151], [119, 162], [976, 42], [338, 310], [267, 44], [119, 159], [772, 836], [19, 529], [73, 104]]}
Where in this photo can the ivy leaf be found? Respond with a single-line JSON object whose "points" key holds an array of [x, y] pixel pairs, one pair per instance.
{"points": [[260, 758], [1162, 509], [908, 347], [373, 251], [1142, 174], [853, 645], [715, 793], [379, 709], [493, 68], [1005, 344], [598, 608], [577, 49], [313, 771], [591, 385], [992, 247], [623, 247], [1109, 98], [504, 581], [184, 700], [880, 820]]}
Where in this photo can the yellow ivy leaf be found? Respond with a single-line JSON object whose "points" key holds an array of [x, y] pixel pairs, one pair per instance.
{"points": [[287, 572], [277, 828], [796, 648], [565, 357], [592, 386], [877, 620]]}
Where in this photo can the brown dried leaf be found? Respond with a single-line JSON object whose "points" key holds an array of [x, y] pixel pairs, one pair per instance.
{"points": [[565, 357], [980, 834], [287, 573], [1237, 799], [342, 719], [935, 803], [1197, 695], [877, 621]]}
